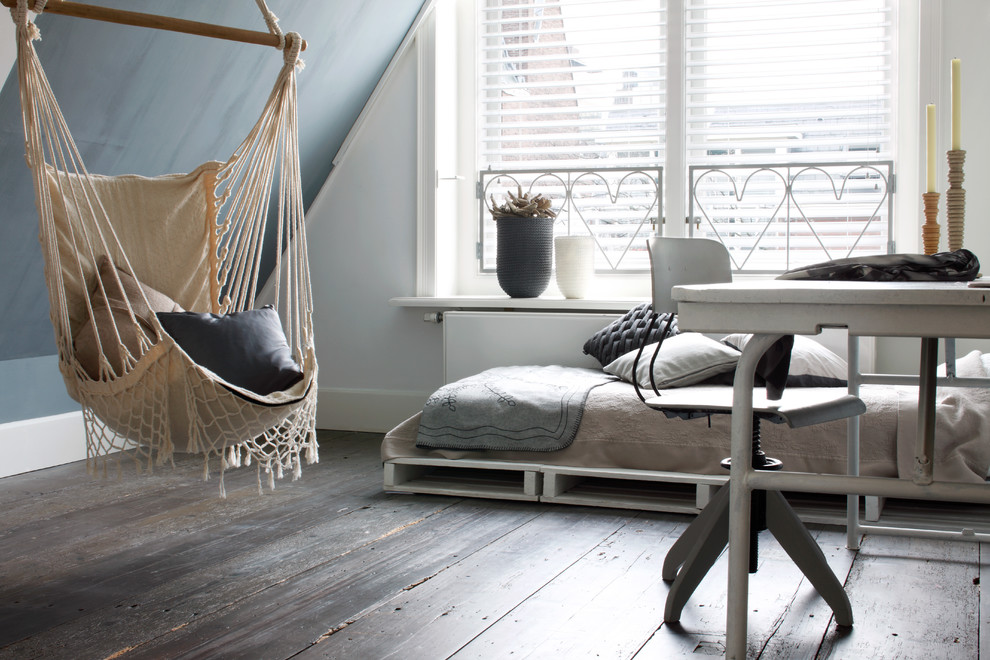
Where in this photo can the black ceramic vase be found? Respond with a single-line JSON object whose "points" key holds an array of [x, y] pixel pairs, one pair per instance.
{"points": [[524, 255]]}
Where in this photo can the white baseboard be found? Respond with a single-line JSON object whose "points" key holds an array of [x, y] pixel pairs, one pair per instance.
{"points": [[369, 410], [33, 444]]}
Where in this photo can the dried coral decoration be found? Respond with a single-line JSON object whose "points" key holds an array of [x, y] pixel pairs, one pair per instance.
{"points": [[523, 205]]}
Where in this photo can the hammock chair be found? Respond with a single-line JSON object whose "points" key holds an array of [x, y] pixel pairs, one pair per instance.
{"points": [[152, 285]]}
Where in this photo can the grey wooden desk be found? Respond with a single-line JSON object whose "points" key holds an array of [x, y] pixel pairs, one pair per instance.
{"points": [[769, 309]]}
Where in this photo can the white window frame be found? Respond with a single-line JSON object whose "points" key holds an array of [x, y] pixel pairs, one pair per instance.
{"points": [[448, 207]]}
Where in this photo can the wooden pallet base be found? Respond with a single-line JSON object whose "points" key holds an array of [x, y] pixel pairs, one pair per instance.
{"points": [[642, 490], [489, 479]]}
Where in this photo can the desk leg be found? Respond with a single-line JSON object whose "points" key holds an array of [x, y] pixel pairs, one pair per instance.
{"points": [[852, 445], [925, 442], [740, 495]]}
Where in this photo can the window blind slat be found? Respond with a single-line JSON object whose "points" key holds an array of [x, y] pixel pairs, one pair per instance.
{"points": [[593, 86]]}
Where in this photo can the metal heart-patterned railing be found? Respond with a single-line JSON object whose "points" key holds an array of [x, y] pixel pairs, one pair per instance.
{"points": [[618, 207], [775, 217]]}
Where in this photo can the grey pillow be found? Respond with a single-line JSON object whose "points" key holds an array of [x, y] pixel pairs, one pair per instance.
{"points": [[684, 359], [247, 349], [625, 334], [812, 365], [111, 320]]}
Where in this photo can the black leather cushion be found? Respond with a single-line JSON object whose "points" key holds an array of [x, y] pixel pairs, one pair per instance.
{"points": [[626, 334], [246, 349], [959, 266]]}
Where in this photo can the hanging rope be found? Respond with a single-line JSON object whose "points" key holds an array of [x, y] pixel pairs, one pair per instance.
{"points": [[272, 21], [290, 44]]}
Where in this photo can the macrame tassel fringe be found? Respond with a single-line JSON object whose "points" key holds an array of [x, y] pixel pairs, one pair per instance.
{"points": [[312, 450], [271, 476], [234, 456]]}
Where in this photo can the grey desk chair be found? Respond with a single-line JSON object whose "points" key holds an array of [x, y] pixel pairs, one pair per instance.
{"points": [[677, 261]]}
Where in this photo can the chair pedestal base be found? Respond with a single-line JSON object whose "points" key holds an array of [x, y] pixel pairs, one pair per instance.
{"points": [[695, 552]]}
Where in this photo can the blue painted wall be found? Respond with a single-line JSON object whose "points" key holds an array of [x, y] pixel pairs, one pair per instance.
{"points": [[148, 102]]}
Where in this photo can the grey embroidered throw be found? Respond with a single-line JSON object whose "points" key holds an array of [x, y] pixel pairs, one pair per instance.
{"points": [[528, 408]]}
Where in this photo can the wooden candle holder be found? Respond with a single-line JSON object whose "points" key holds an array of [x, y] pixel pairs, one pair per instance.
{"points": [[930, 230], [955, 199]]}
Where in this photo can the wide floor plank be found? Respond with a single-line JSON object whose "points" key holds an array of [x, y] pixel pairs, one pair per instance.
{"points": [[271, 623], [607, 604], [456, 605], [984, 579], [912, 598], [787, 617], [330, 566]]}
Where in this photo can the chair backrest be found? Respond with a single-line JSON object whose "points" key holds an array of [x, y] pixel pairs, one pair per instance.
{"points": [[676, 261]]}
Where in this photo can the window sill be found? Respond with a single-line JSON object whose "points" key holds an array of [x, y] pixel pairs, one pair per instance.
{"points": [[504, 303]]}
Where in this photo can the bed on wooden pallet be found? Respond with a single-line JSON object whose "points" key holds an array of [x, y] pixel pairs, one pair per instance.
{"points": [[627, 455]]}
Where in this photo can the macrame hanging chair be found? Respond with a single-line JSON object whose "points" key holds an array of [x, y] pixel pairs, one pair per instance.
{"points": [[126, 257]]}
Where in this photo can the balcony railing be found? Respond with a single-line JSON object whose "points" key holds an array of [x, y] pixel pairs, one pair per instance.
{"points": [[774, 217], [771, 217], [619, 207]]}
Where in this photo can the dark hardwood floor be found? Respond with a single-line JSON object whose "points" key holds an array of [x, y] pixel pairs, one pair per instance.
{"points": [[332, 567]]}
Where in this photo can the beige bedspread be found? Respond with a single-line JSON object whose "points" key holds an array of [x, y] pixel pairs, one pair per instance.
{"points": [[962, 426], [619, 431]]}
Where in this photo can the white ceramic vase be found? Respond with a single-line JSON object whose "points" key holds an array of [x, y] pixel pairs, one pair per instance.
{"points": [[575, 261]]}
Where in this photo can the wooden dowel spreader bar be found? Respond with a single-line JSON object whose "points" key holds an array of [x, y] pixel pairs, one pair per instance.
{"points": [[153, 21]]}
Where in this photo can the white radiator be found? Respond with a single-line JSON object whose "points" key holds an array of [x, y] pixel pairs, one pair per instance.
{"points": [[475, 341]]}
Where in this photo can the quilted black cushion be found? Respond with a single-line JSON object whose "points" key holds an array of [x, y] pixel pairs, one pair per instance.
{"points": [[247, 349], [626, 334]]}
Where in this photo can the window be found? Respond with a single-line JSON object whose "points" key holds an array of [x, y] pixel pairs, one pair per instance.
{"points": [[573, 93], [568, 83], [747, 114], [789, 121]]}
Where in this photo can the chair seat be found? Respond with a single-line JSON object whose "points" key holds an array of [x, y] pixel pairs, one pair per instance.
{"points": [[799, 406]]}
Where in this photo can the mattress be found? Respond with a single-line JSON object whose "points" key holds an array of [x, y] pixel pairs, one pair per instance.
{"points": [[619, 431]]}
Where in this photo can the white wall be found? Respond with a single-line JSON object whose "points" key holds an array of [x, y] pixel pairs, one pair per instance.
{"points": [[378, 363], [964, 28], [8, 47]]}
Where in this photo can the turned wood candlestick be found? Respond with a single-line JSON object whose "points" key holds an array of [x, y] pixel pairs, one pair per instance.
{"points": [[930, 230], [955, 199]]}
